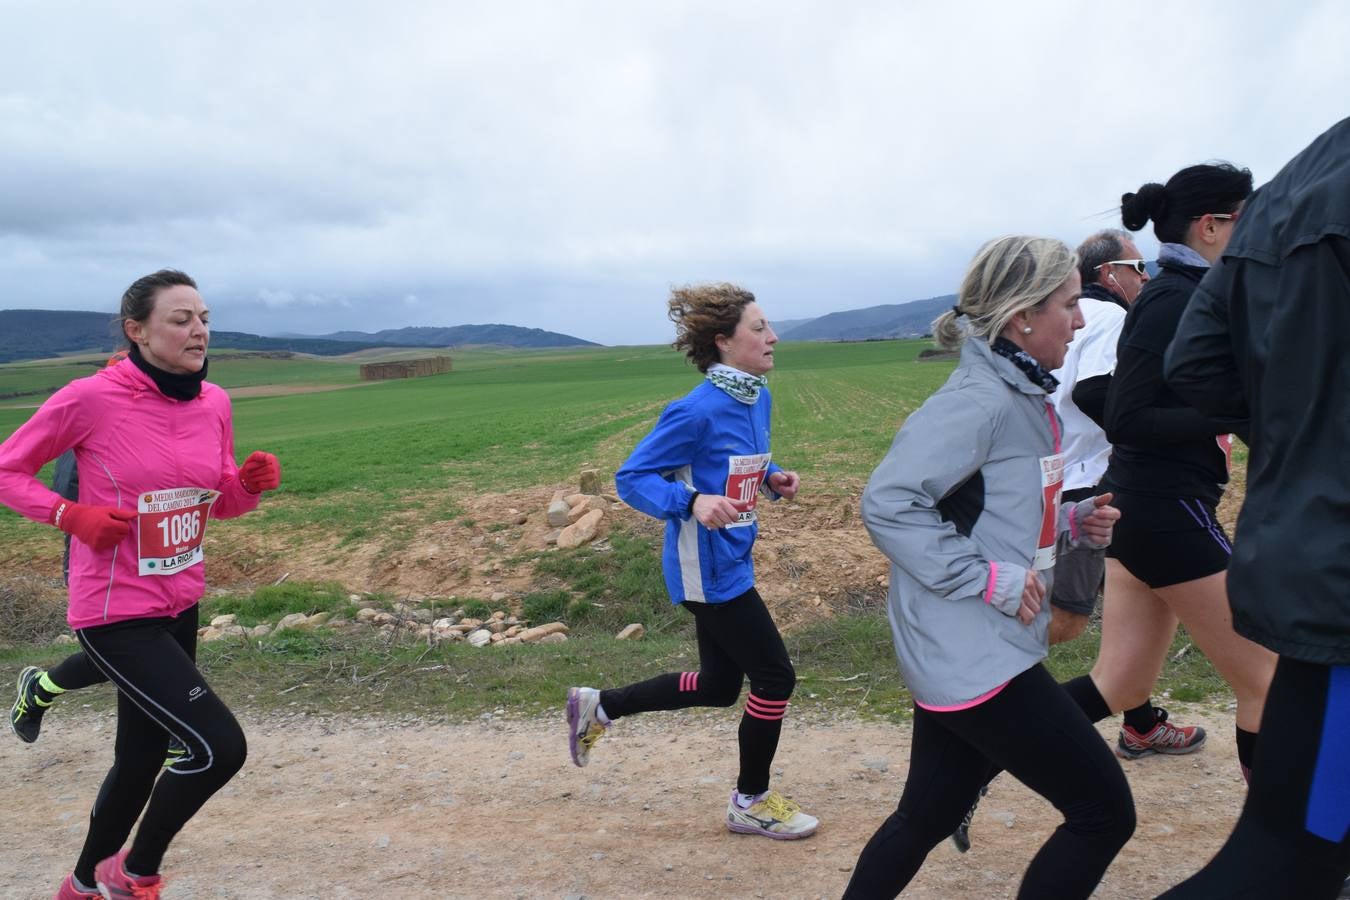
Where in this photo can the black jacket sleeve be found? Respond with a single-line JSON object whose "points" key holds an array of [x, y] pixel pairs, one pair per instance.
{"points": [[1131, 414], [1199, 365], [1089, 395]]}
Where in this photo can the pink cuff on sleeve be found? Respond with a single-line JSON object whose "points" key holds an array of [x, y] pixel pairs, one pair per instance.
{"points": [[993, 578], [1073, 522]]}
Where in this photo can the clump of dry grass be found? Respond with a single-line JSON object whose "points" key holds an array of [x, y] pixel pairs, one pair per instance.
{"points": [[32, 610]]}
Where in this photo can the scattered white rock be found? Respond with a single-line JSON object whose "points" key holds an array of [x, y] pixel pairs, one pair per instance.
{"points": [[557, 513], [556, 638], [633, 632], [222, 621], [480, 637]]}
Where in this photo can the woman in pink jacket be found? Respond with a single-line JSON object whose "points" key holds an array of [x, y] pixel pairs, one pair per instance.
{"points": [[155, 448]]}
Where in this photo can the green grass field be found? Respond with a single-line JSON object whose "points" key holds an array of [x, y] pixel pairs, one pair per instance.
{"points": [[510, 419]]}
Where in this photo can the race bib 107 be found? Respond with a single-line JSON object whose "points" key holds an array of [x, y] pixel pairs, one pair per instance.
{"points": [[745, 475], [170, 527]]}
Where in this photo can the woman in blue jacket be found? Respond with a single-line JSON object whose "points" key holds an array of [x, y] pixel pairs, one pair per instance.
{"points": [[701, 470]]}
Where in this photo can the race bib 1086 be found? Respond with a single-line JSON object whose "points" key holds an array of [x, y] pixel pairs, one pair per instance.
{"points": [[170, 527], [745, 474]]}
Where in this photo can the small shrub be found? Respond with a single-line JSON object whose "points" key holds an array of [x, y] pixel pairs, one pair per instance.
{"points": [[545, 606], [476, 609], [270, 602]]}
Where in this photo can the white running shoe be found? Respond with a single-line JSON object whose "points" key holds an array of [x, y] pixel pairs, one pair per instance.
{"points": [[773, 816], [583, 725]]}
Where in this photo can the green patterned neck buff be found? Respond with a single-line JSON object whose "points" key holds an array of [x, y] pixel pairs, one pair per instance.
{"points": [[741, 385]]}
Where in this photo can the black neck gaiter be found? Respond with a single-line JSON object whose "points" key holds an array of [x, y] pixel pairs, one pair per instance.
{"points": [[1034, 371], [170, 384]]}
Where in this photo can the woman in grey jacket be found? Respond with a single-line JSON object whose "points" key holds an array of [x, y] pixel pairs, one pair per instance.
{"points": [[966, 506]]}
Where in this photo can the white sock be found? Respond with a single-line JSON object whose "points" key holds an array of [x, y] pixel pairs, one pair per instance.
{"points": [[600, 715], [745, 801], [81, 886]]}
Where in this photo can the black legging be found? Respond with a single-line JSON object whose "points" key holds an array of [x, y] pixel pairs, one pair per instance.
{"points": [[1037, 733], [160, 693], [1293, 837], [76, 671], [735, 639]]}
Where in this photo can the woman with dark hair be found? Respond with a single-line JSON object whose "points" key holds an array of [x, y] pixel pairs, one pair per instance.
{"points": [[701, 470], [154, 443], [966, 505], [1168, 466]]}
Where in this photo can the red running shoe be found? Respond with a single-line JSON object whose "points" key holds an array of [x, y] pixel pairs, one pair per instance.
{"points": [[115, 883], [68, 891], [1164, 738]]}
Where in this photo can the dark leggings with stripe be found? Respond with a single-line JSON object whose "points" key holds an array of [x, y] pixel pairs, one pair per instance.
{"points": [[736, 639], [1293, 837], [160, 693], [1034, 730]]}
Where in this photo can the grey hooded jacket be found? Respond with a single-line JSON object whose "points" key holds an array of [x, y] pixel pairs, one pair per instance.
{"points": [[958, 505]]}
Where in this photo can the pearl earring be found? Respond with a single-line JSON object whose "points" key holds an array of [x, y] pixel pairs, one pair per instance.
{"points": [[1026, 330]]}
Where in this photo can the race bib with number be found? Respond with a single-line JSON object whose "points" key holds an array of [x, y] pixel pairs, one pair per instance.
{"points": [[170, 528], [1052, 485], [745, 475]]}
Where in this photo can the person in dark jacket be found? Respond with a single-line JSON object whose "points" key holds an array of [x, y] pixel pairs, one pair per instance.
{"points": [[1261, 341], [1168, 468]]}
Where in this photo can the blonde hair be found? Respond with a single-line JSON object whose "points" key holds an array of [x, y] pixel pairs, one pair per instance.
{"points": [[701, 312], [1007, 276]]}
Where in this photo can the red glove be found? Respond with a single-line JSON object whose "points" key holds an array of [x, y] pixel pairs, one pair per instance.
{"points": [[100, 527], [260, 472]]}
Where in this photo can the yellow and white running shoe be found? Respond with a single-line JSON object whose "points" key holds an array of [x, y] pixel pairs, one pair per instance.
{"points": [[773, 816], [583, 725]]}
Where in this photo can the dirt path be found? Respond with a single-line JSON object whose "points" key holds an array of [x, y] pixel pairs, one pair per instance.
{"points": [[493, 808]]}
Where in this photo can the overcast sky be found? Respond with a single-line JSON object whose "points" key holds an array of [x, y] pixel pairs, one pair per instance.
{"points": [[327, 165]]}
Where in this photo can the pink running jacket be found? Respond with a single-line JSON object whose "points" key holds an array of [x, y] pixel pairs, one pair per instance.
{"points": [[129, 439]]}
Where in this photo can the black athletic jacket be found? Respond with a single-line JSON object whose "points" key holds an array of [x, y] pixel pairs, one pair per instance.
{"points": [[1160, 446], [1267, 335]]}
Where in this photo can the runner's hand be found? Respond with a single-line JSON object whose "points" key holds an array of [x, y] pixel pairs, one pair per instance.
{"points": [[99, 527], [260, 472], [1032, 595], [784, 484], [714, 511], [1097, 517]]}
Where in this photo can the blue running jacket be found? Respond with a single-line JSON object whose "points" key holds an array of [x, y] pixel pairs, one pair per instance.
{"points": [[707, 441]]}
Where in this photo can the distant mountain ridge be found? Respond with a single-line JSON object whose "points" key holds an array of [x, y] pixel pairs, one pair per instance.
{"points": [[41, 333], [459, 335], [891, 320]]}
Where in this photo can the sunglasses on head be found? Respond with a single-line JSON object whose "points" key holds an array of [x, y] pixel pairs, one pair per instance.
{"points": [[1137, 264]]}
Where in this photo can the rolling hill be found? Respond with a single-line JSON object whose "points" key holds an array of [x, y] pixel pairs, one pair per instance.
{"points": [[42, 333], [892, 320], [459, 335]]}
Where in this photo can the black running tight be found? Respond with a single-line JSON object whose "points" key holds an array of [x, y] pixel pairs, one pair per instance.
{"points": [[74, 672], [1293, 837], [1038, 734], [735, 639], [159, 693]]}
